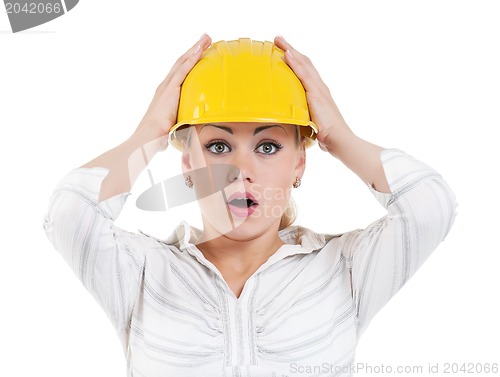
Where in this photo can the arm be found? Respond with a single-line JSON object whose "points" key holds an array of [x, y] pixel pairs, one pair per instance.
{"points": [[420, 205], [382, 257], [129, 159], [334, 136], [107, 260], [82, 210]]}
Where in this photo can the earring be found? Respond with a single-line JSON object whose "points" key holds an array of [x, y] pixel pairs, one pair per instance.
{"points": [[188, 182], [297, 182]]}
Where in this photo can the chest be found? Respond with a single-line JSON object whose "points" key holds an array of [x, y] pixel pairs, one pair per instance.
{"points": [[290, 312], [235, 282]]}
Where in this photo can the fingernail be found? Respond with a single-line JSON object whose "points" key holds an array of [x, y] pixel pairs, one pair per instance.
{"points": [[280, 36], [203, 36]]}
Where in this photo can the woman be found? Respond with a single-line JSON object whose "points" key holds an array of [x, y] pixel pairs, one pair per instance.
{"points": [[249, 295]]}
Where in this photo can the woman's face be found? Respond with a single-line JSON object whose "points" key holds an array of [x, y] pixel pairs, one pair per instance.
{"points": [[243, 174]]}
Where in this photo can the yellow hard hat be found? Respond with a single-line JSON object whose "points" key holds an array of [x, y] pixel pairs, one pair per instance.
{"points": [[243, 81]]}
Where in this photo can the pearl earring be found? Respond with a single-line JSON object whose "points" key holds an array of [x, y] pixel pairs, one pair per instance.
{"points": [[188, 182], [297, 182]]}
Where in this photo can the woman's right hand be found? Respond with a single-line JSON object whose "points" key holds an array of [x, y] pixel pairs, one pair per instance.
{"points": [[162, 112], [126, 161]]}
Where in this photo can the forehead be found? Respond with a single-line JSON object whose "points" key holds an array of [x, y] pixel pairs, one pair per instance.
{"points": [[246, 127]]}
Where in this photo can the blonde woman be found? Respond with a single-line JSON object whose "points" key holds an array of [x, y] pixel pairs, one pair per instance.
{"points": [[249, 294]]}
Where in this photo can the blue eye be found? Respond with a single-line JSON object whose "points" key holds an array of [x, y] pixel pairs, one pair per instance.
{"points": [[268, 148], [218, 147]]}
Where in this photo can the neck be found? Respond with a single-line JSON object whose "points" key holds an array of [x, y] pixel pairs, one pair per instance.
{"points": [[238, 253]]}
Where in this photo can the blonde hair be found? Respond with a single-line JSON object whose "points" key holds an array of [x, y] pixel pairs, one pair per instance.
{"points": [[289, 216]]}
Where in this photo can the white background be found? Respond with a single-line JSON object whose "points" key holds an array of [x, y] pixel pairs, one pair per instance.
{"points": [[421, 76]]}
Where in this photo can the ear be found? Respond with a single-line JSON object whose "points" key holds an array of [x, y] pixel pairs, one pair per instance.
{"points": [[186, 160], [301, 159]]}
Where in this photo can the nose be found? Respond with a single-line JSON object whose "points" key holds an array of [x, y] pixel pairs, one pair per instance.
{"points": [[241, 168]]}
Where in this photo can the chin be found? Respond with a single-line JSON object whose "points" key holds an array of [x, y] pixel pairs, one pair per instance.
{"points": [[239, 229], [250, 230]]}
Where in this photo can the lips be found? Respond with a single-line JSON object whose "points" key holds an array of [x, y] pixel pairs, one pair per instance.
{"points": [[242, 204]]}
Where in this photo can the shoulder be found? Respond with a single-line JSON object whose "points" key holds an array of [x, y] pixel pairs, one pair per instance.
{"points": [[181, 236], [300, 235]]}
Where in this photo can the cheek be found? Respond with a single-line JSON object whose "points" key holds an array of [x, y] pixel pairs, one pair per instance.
{"points": [[277, 195], [197, 159], [280, 173], [275, 186]]}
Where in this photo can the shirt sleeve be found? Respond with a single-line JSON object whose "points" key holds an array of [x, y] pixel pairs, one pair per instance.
{"points": [[108, 261], [382, 257]]}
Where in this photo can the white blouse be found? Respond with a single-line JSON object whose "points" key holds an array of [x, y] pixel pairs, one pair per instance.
{"points": [[300, 314]]}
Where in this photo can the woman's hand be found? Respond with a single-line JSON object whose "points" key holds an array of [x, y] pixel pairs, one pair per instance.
{"points": [[322, 108], [126, 161], [162, 112], [334, 135]]}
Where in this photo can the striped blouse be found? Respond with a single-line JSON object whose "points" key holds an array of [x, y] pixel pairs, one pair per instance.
{"points": [[300, 314]]}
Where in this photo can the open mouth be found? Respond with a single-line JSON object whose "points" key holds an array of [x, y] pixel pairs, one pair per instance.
{"points": [[242, 204]]}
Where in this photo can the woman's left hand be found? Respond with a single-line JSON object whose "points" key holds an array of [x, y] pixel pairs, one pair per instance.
{"points": [[322, 108], [334, 134]]}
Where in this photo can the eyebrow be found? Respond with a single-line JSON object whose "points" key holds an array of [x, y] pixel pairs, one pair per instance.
{"points": [[257, 130], [227, 129]]}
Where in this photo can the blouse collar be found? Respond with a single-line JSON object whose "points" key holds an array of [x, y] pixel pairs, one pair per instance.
{"points": [[298, 240]]}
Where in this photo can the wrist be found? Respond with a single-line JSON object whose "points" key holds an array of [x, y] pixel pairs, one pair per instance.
{"points": [[149, 137], [335, 140]]}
